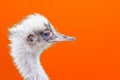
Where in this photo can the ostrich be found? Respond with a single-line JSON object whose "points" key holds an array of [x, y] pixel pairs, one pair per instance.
{"points": [[29, 38]]}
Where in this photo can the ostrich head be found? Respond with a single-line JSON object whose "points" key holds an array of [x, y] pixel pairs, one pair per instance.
{"points": [[28, 39]]}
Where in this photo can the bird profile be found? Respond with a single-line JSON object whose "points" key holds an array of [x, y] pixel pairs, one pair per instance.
{"points": [[29, 38]]}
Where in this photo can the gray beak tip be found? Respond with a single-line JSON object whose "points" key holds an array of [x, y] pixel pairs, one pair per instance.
{"points": [[61, 38]]}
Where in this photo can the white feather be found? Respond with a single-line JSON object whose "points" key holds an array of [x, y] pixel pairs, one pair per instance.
{"points": [[26, 58]]}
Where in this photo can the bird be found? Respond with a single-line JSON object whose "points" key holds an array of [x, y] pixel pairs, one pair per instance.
{"points": [[28, 39]]}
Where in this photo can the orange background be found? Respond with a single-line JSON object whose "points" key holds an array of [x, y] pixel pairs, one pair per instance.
{"points": [[95, 55]]}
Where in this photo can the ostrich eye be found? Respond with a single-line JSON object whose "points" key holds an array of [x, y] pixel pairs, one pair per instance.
{"points": [[46, 34]]}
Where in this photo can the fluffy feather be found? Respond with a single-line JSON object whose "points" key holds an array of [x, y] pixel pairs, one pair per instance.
{"points": [[28, 40], [26, 57]]}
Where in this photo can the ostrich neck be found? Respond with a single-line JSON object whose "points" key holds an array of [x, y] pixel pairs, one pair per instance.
{"points": [[29, 66]]}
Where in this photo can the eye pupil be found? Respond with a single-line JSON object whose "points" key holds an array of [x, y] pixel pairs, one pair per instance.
{"points": [[46, 34]]}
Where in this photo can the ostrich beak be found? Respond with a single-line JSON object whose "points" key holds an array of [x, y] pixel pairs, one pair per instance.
{"points": [[60, 38]]}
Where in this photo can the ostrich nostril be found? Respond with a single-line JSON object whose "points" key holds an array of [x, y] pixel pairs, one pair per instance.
{"points": [[69, 38], [65, 37], [72, 39]]}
